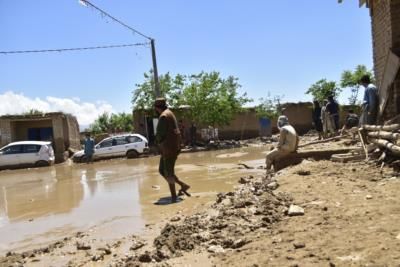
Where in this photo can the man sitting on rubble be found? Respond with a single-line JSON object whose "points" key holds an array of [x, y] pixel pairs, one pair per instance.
{"points": [[288, 142]]}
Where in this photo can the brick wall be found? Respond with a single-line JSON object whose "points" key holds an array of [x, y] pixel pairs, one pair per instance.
{"points": [[381, 35]]}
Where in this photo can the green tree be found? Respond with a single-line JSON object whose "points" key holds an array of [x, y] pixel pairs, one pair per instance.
{"points": [[350, 79], [322, 89], [121, 122], [269, 107], [170, 87], [212, 99], [34, 112]]}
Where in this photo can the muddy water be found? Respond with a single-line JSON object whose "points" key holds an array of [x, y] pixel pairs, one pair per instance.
{"points": [[113, 198]]}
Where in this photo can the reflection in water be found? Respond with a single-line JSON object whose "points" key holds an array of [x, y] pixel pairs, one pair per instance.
{"points": [[47, 203], [39, 205]]}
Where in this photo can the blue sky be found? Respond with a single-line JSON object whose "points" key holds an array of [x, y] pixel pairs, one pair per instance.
{"points": [[281, 47]]}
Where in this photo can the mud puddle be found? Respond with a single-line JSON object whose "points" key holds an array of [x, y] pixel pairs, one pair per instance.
{"points": [[115, 197]]}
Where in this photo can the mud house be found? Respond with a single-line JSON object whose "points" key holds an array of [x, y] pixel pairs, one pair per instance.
{"points": [[385, 21], [59, 128]]}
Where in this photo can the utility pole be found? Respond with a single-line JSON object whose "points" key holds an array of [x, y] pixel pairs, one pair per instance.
{"points": [[155, 71]]}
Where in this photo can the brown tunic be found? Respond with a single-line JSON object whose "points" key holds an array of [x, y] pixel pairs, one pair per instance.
{"points": [[168, 135]]}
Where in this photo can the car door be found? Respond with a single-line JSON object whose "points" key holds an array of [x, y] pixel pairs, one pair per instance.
{"points": [[136, 143], [120, 146], [104, 149], [10, 155], [30, 154]]}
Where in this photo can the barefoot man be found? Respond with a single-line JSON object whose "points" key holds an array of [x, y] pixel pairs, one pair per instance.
{"points": [[168, 138]]}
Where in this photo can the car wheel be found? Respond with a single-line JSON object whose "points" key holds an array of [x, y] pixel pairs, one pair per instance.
{"points": [[83, 159], [132, 154], [41, 163]]}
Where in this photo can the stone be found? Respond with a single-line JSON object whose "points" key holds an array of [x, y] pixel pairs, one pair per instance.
{"points": [[295, 210], [226, 202], [398, 236], [175, 219], [239, 243], [215, 249], [145, 257], [299, 245], [273, 185], [368, 197], [82, 246]]}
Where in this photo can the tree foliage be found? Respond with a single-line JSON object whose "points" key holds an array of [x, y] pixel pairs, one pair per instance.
{"points": [[34, 112], [269, 107], [322, 89], [212, 99], [121, 122], [350, 79], [170, 87]]}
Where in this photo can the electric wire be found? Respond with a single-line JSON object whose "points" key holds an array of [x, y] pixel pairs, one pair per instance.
{"points": [[71, 49], [114, 19]]}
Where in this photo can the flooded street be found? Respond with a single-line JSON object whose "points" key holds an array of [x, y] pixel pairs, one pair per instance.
{"points": [[114, 197]]}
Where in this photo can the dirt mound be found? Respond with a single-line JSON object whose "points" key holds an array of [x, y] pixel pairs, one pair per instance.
{"points": [[253, 205]]}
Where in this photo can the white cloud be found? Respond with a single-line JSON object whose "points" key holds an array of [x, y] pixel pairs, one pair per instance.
{"points": [[16, 103]]}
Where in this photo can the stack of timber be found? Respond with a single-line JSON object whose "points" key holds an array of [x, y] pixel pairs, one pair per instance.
{"points": [[386, 139]]}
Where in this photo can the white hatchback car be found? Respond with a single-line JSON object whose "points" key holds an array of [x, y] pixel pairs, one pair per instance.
{"points": [[126, 145], [26, 153]]}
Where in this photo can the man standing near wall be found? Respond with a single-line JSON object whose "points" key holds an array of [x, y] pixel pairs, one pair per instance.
{"points": [[89, 148], [288, 142], [168, 137], [370, 102]]}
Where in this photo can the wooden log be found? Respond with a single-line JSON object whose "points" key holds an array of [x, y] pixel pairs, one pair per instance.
{"points": [[321, 141], [391, 127], [384, 135], [386, 144], [360, 134], [297, 157]]}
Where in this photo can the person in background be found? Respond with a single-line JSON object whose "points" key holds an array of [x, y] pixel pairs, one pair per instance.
{"points": [[370, 102], [193, 130], [181, 126], [288, 142], [350, 122], [168, 137], [89, 148], [316, 116], [333, 110]]}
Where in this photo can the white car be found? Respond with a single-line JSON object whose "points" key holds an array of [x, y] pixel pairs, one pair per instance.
{"points": [[127, 145], [26, 153]]}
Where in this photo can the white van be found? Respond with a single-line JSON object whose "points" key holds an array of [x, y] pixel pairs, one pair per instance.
{"points": [[26, 153]]}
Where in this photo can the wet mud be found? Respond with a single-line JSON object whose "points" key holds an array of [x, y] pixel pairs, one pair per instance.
{"points": [[43, 205]]}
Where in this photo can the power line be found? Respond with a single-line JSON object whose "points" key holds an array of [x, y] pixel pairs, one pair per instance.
{"points": [[103, 13], [71, 49]]}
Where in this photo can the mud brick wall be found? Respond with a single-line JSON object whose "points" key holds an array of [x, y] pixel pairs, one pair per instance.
{"points": [[5, 132], [58, 136], [385, 16], [71, 132]]}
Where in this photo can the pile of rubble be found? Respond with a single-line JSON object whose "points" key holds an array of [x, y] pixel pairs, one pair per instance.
{"points": [[253, 206]]}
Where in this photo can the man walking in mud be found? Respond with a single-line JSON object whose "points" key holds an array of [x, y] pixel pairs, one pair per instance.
{"points": [[168, 137], [288, 142]]}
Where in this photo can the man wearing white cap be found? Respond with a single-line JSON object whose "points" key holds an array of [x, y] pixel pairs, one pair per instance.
{"points": [[288, 142]]}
